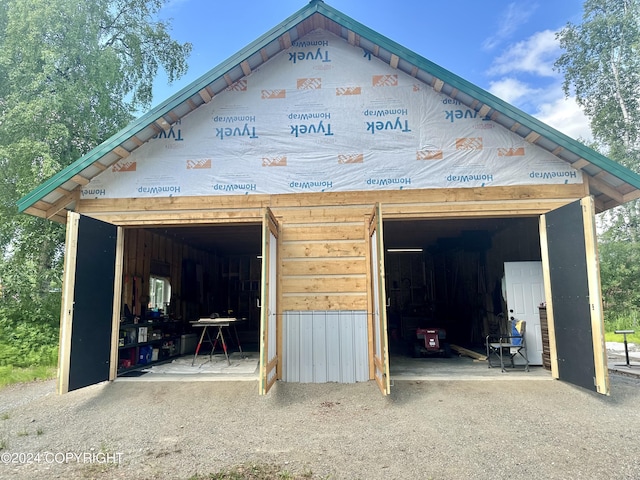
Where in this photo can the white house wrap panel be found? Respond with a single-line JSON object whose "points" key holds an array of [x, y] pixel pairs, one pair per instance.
{"points": [[328, 116]]}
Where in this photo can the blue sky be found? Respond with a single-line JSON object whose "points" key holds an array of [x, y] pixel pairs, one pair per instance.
{"points": [[504, 46]]}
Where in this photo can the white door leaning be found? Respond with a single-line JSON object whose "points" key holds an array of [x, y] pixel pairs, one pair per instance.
{"points": [[525, 292]]}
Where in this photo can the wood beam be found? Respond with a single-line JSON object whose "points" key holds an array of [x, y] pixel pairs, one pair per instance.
{"points": [[246, 68], [515, 127], [99, 166], [580, 164], [414, 71], [121, 152], [36, 212], [62, 202], [204, 95], [319, 21], [484, 110], [227, 78], [437, 84], [162, 124], [264, 55], [557, 151], [394, 61], [606, 189], [285, 41], [80, 180], [532, 137], [351, 38], [631, 196]]}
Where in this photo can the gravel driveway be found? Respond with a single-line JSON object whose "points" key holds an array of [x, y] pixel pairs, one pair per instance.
{"points": [[429, 429]]}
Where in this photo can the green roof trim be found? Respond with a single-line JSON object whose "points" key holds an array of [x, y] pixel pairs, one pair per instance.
{"points": [[320, 7]]}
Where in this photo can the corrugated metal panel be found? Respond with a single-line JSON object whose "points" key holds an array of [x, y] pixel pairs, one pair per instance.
{"points": [[325, 346]]}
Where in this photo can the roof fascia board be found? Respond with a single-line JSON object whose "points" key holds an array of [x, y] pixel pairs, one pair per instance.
{"points": [[161, 109]]}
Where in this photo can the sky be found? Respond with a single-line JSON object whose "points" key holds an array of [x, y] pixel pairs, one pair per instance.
{"points": [[506, 47]]}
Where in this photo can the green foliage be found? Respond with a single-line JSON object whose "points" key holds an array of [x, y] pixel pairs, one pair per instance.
{"points": [[620, 277], [601, 66], [10, 375], [611, 336], [71, 75]]}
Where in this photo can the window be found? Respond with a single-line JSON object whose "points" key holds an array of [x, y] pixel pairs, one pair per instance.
{"points": [[159, 292]]}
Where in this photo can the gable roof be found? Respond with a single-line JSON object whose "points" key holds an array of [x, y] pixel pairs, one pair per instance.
{"points": [[611, 183]]}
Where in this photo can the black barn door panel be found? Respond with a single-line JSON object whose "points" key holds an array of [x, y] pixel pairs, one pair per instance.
{"points": [[575, 302], [92, 303]]}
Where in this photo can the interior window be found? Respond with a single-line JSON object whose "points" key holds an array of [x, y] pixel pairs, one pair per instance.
{"points": [[159, 292]]}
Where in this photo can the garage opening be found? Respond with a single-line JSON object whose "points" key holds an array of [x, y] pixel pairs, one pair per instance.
{"points": [[173, 276], [448, 275]]}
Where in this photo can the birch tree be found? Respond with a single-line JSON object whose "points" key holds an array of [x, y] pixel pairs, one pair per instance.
{"points": [[71, 75]]}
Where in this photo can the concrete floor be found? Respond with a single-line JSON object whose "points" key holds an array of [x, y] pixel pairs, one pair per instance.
{"points": [[455, 368], [458, 368], [401, 367]]}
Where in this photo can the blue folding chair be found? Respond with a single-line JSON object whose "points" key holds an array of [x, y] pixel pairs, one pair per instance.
{"points": [[508, 346]]}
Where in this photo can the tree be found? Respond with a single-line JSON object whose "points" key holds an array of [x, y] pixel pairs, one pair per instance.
{"points": [[601, 66], [71, 75]]}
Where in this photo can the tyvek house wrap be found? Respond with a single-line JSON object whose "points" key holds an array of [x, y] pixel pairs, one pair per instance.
{"points": [[327, 116]]}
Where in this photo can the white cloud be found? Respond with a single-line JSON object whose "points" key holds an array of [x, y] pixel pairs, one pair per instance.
{"points": [[548, 104], [511, 90], [534, 55], [514, 16], [565, 115]]}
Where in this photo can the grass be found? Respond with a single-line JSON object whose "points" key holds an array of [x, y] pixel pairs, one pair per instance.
{"points": [[253, 472], [617, 337], [10, 374]]}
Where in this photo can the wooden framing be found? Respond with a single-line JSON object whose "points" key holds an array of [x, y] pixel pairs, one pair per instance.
{"points": [[488, 201], [595, 296], [323, 253], [379, 302], [269, 319], [117, 304], [544, 249], [66, 309]]}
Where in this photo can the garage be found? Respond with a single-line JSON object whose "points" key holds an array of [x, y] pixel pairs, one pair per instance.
{"points": [[337, 192], [447, 274]]}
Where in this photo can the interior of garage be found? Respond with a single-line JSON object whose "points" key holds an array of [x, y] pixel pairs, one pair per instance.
{"points": [[176, 275], [444, 274], [447, 275]]}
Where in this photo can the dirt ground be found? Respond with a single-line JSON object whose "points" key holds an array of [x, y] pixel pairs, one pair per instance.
{"points": [[425, 429]]}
